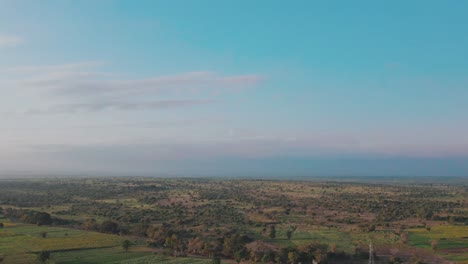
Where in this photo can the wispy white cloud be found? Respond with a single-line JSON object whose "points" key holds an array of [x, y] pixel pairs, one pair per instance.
{"points": [[83, 87], [186, 82], [72, 80], [53, 68], [112, 106], [10, 41]]}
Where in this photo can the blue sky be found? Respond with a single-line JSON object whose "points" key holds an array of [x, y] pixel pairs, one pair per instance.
{"points": [[234, 87]]}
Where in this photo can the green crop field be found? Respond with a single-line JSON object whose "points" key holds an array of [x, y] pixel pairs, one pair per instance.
{"points": [[345, 240], [116, 255], [450, 239], [19, 244], [165, 260], [99, 255]]}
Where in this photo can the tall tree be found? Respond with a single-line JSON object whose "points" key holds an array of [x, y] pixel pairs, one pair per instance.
{"points": [[126, 245], [272, 231]]}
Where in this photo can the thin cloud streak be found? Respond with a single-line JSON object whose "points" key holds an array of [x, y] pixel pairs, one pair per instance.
{"points": [[159, 124], [185, 82], [10, 41], [53, 68], [82, 79], [115, 106], [82, 88]]}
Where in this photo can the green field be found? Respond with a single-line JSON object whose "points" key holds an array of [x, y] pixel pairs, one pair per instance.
{"points": [[452, 241], [345, 240], [116, 255], [19, 243]]}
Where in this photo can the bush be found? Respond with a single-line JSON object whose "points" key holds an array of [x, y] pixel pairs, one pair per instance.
{"points": [[126, 245], [109, 227], [43, 256]]}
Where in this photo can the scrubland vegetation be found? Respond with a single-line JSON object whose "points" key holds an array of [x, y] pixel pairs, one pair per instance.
{"points": [[183, 220]]}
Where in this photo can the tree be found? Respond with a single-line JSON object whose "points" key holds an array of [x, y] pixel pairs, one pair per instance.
{"points": [[292, 257], [272, 231], [42, 218], [172, 242], [416, 260], [434, 244], [90, 224], [239, 255], [233, 244], [109, 227], [126, 245], [265, 258], [43, 256], [290, 231], [333, 248], [314, 251], [451, 219], [256, 256], [404, 237], [196, 245], [394, 260], [216, 260]]}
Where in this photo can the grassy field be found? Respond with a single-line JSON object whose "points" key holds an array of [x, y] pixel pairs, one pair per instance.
{"points": [[99, 255], [165, 260], [116, 255], [452, 241], [19, 244], [345, 240]]}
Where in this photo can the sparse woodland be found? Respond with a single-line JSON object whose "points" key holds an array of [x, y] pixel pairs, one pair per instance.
{"points": [[249, 220]]}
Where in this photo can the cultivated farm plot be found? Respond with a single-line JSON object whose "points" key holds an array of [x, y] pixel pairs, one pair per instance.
{"points": [[164, 260], [18, 243], [117, 255], [452, 241], [345, 240], [98, 255]]}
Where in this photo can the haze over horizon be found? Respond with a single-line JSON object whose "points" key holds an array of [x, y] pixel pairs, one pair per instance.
{"points": [[234, 87]]}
